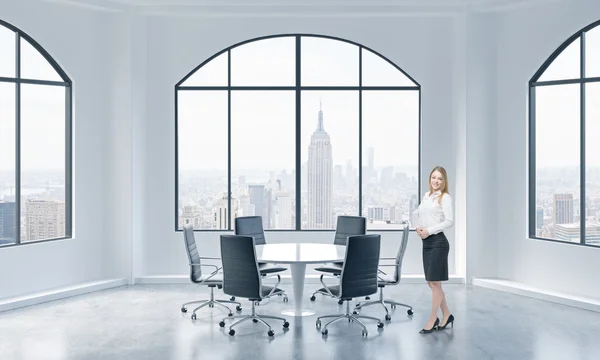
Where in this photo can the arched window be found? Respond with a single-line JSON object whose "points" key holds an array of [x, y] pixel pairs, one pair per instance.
{"points": [[35, 142], [297, 129], [564, 140]]}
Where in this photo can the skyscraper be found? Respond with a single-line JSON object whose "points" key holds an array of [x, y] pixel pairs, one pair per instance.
{"points": [[44, 219], [8, 221], [257, 198], [319, 176], [221, 217], [563, 209]]}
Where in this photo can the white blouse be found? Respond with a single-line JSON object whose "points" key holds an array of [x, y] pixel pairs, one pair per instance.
{"points": [[433, 216]]}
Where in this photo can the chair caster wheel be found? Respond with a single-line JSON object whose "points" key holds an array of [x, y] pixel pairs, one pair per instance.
{"points": [[340, 302], [318, 324], [254, 321], [313, 298], [324, 332], [211, 305], [285, 299], [388, 318], [193, 316], [238, 308], [409, 312], [367, 298], [270, 333], [230, 314], [380, 325], [232, 298], [183, 310], [222, 324], [286, 325], [393, 306], [355, 312], [231, 332], [365, 333]]}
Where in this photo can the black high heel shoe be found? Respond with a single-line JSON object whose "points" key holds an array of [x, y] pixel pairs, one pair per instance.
{"points": [[450, 321], [435, 324]]}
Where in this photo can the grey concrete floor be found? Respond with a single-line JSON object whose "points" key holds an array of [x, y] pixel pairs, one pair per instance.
{"points": [[145, 322]]}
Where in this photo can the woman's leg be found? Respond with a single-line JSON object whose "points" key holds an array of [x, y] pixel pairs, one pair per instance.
{"points": [[437, 296], [444, 305]]}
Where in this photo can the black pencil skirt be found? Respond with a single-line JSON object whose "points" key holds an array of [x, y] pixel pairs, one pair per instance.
{"points": [[435, 257]]}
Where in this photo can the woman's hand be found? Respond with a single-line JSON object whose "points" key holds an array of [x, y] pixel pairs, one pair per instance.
{"points": [[423, 233]]}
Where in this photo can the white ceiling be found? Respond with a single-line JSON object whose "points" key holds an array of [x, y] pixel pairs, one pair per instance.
{"points": [[300, 8]]}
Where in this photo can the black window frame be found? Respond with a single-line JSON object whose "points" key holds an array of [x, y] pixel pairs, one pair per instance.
{"points": [[68, 86], [582, 80], [297, 88]]}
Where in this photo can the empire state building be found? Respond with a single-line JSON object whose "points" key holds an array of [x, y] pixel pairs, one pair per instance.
{"points": [[319, 174]]}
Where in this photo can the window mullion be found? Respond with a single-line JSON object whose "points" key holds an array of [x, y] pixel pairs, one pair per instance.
{"points": [[298, 135], [582, 142], [18, 140]]}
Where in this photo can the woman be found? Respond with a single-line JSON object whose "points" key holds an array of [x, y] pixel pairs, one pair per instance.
{"points": [[435, 215]]}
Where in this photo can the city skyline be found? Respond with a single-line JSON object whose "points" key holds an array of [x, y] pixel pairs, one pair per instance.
{"points": [[327, 189]]}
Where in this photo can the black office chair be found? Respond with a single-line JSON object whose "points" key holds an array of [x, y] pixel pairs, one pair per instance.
{"points": [[346, 226], [253, 226], [390, 279], [212, 280], [358, 278], [242, 278]]}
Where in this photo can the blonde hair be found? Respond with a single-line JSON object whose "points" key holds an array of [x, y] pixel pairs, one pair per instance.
{"points": [[444, 187]]}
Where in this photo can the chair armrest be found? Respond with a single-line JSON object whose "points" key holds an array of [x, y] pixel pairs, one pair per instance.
{"points": [[387, 258], [210, 258], [386, 265], [208, 265]]}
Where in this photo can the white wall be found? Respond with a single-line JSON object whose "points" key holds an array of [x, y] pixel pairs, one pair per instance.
{"points": [[525, 40], [421, 46], [81, 41], [481, 219]]}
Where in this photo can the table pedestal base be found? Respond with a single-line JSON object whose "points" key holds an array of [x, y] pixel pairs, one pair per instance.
{"points": [[303, 312], [298, 272]]}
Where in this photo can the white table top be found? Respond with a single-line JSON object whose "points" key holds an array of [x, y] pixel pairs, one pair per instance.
{"points": [[306, 253]]}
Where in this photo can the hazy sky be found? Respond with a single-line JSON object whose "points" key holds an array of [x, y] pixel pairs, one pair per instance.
{"points": [[263, 122], [42, 110], [271, 62], [558, 108]]}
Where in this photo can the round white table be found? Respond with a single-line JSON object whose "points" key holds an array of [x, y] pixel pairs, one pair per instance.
{"points": [[297, 255]]}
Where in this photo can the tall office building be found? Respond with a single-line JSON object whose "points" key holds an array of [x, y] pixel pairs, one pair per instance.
{"points": [[283, 217], [319, 179], [221, 217], [44, 219], [191, 214], [257, 198], [563, 209], [8, 221], [539, 218]]}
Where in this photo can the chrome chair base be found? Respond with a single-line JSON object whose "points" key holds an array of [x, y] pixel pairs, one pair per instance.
{"points": [[255, 318], [381, 301], [281, 293], [350, 317], [326, 292], [211, 303]]}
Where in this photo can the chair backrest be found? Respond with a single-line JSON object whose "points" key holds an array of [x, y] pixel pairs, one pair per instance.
{"points": [[349, 226], [192, 252], [400, 255], [251, 226], [359, 272], [240, 269]]}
